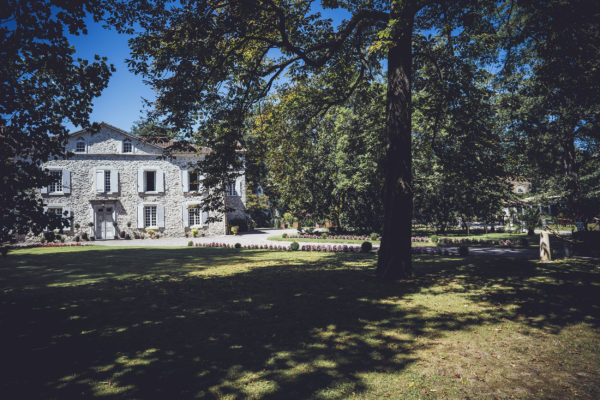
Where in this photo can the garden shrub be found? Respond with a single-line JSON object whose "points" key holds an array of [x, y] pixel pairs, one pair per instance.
{"points": [[294, 246], [324, 235], [77, 239], [285, 235], [374, 236], [127, 237], [190, 243], [366, 247], [523, 242], [122, 234], [238, 245], [195, 232], [241, 223], [463, 250], [49, 236], [433, 238], [85, 236]]}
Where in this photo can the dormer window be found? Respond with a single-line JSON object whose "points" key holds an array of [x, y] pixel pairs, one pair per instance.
{"points": [[127, 146], [80, 146]]}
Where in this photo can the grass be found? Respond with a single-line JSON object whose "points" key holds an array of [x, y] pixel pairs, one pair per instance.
{"points": [[141, 323]]}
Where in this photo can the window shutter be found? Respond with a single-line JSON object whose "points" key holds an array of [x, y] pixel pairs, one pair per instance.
{"points": [[160, 216], [114, 181], [120, 149], [184, 215], [160, 181], [140, 182], [140, 219], [185, 180], [238, 186], [100, 180], [204, 217], [66, 181]]}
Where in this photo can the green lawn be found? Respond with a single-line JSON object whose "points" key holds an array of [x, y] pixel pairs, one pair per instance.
{"points": [[139, 323]]}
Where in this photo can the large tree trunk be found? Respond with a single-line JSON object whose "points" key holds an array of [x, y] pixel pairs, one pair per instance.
{"points": [[395, 252], [572, 176]]}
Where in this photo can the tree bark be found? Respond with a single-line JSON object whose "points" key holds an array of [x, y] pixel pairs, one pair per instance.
{"points": [[395, 251], [572, 175]]}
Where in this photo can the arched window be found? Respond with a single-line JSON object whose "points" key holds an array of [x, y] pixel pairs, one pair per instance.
{"points": [[80, 145], [127, 146]]}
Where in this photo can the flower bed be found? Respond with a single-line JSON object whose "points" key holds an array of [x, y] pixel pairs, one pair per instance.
{"points": [[341, 237], [29, 246], [501, 243], [335, 248]]}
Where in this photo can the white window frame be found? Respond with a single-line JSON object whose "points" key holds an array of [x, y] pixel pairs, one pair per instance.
{"points": [[107, 186], [56, 185], [128, 142], [148, 216], [230, 190], [53, 210], [195, 216], [80, 140]]}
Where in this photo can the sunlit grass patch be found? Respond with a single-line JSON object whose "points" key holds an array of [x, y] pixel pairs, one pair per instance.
{"points": [[235, 323]]}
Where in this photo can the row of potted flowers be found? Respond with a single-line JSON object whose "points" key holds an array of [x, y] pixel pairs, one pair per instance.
{"points": [[503, 243], [325, 248], [343, 237], [29, 246], [308, 247]]}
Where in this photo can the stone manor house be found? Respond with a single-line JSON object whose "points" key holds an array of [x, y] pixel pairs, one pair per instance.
{"points": [[115, 182]]}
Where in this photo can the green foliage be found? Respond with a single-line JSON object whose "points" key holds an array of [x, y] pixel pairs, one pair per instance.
{"points": [[257, 206], [366, 247], [43, 87], [434, 238], [237, 245], [324, 235], [294, 246], [285, 235], [241, 223], [374, 236], [195, 232], [190, 243], [235, 229]]}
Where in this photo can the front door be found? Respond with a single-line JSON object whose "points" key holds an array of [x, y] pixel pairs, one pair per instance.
{"points": [[104, 222]]}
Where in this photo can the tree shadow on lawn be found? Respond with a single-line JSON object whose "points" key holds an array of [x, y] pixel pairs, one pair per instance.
{"points": [[294, 329]]}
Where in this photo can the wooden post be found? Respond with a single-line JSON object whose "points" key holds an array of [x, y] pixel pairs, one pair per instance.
{"points": [[545, 254]]}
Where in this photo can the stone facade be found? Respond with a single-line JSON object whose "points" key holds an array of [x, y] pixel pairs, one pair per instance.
{"points": [[103, 185]]}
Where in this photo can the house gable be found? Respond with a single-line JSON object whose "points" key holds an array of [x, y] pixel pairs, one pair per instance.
{"points": [[109, 140]]}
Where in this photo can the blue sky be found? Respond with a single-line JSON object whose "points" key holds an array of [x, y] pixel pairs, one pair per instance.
{"points": [[121, 102]]}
